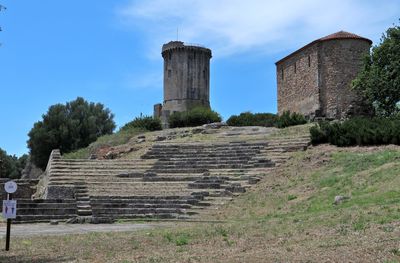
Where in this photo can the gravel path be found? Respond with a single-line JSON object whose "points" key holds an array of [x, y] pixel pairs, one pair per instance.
{"points": [[64, 229]]}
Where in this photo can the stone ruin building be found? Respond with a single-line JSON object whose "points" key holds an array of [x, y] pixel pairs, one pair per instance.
{"points": [[186, 79], [315, 79]]}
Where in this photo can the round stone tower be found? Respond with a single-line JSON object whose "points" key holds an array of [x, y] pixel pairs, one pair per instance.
{"points": [[186, 78]]}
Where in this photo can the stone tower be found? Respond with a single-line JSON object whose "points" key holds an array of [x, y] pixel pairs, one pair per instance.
{"points": [[186, 79], [315, 80]]}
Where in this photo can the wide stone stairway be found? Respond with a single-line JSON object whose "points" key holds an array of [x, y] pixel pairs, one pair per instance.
{"points": [[170, 181]]}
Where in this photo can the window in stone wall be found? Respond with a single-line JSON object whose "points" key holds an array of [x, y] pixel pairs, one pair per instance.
{"points": [[309, 61], [169, 73], [295, 67], [282, 73]]}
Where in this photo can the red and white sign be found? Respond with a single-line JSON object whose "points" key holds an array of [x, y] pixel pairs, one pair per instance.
{"points": [[9, 209]]}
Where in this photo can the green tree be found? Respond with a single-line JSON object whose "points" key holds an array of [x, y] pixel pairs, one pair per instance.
{"points": [[5, 164], [11, 166], [379, 81], [68, 127]]}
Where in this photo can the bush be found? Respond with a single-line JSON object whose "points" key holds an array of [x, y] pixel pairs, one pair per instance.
{"points": [[144, 122], [250, 119], [195, 117], [290, 119], [358, 131], [267, 119], [68, 127]]}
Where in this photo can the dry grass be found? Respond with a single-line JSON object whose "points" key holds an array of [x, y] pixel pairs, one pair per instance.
{"points": [[287, 217]]}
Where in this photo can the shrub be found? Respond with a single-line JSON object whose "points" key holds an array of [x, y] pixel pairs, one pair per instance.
{"points": [[290, 119], [195, 117], [250, 119], [358, 131], [144, 122]]}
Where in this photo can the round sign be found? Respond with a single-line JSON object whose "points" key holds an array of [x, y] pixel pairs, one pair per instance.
{"points": [[10, 187]]}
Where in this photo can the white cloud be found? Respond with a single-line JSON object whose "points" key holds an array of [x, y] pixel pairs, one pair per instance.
{"points": [[235, 26]]}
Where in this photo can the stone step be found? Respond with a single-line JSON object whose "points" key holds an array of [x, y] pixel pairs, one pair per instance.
{"points": [[103, 172], [46, 201], [177, 154], [139, 205], [99, 163], [216, 146], [141, 198], [46, 218], [46, 211], [101, 167], [85, 212], [140, 216], [45, 205], [114, 211]]}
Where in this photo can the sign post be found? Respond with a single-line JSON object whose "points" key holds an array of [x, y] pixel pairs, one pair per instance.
{"points": [[9, 209]]}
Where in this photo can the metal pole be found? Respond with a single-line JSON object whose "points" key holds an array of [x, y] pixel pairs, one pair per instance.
{"points": [[9, 197]]}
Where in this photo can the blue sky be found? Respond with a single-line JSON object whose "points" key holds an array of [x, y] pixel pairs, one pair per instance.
{"points": [[109, 51]]}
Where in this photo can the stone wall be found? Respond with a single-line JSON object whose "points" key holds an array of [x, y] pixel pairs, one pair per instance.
{"points": [[26, 188], [297, 79], [341, 61]]}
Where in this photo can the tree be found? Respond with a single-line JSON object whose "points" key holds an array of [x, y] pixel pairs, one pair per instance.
{"points": [[379, 81], [5, 164], [10, 165], [68, 127]]}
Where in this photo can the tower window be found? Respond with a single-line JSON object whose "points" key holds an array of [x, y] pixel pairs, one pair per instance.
{"points": [[204, 73], [295, 68], [169, 73], [282, 73], [309, 60]]}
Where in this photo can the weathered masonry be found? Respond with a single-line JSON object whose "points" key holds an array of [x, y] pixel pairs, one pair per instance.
{"points": [[186, 79], [315, 80]]}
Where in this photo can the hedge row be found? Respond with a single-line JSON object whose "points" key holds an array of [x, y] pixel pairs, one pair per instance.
{"points": [[357, 131], [250, 119], [266, 119]]}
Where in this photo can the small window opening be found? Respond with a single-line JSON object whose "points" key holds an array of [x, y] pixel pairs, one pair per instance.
{"points": [[282, 74], [169, 73], [295, 67], [309, 60]]}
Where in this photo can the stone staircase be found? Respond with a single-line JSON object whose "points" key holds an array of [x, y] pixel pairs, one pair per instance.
{"points": [[170, 181]]}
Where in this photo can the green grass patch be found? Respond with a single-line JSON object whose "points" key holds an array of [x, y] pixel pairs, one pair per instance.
{"points": [[178, 238]]}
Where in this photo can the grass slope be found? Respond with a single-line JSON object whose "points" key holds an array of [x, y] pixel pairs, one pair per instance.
{"points": [[289, 216]]}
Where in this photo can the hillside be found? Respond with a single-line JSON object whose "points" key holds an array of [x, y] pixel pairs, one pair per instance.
{"points": [[289, 215]]}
